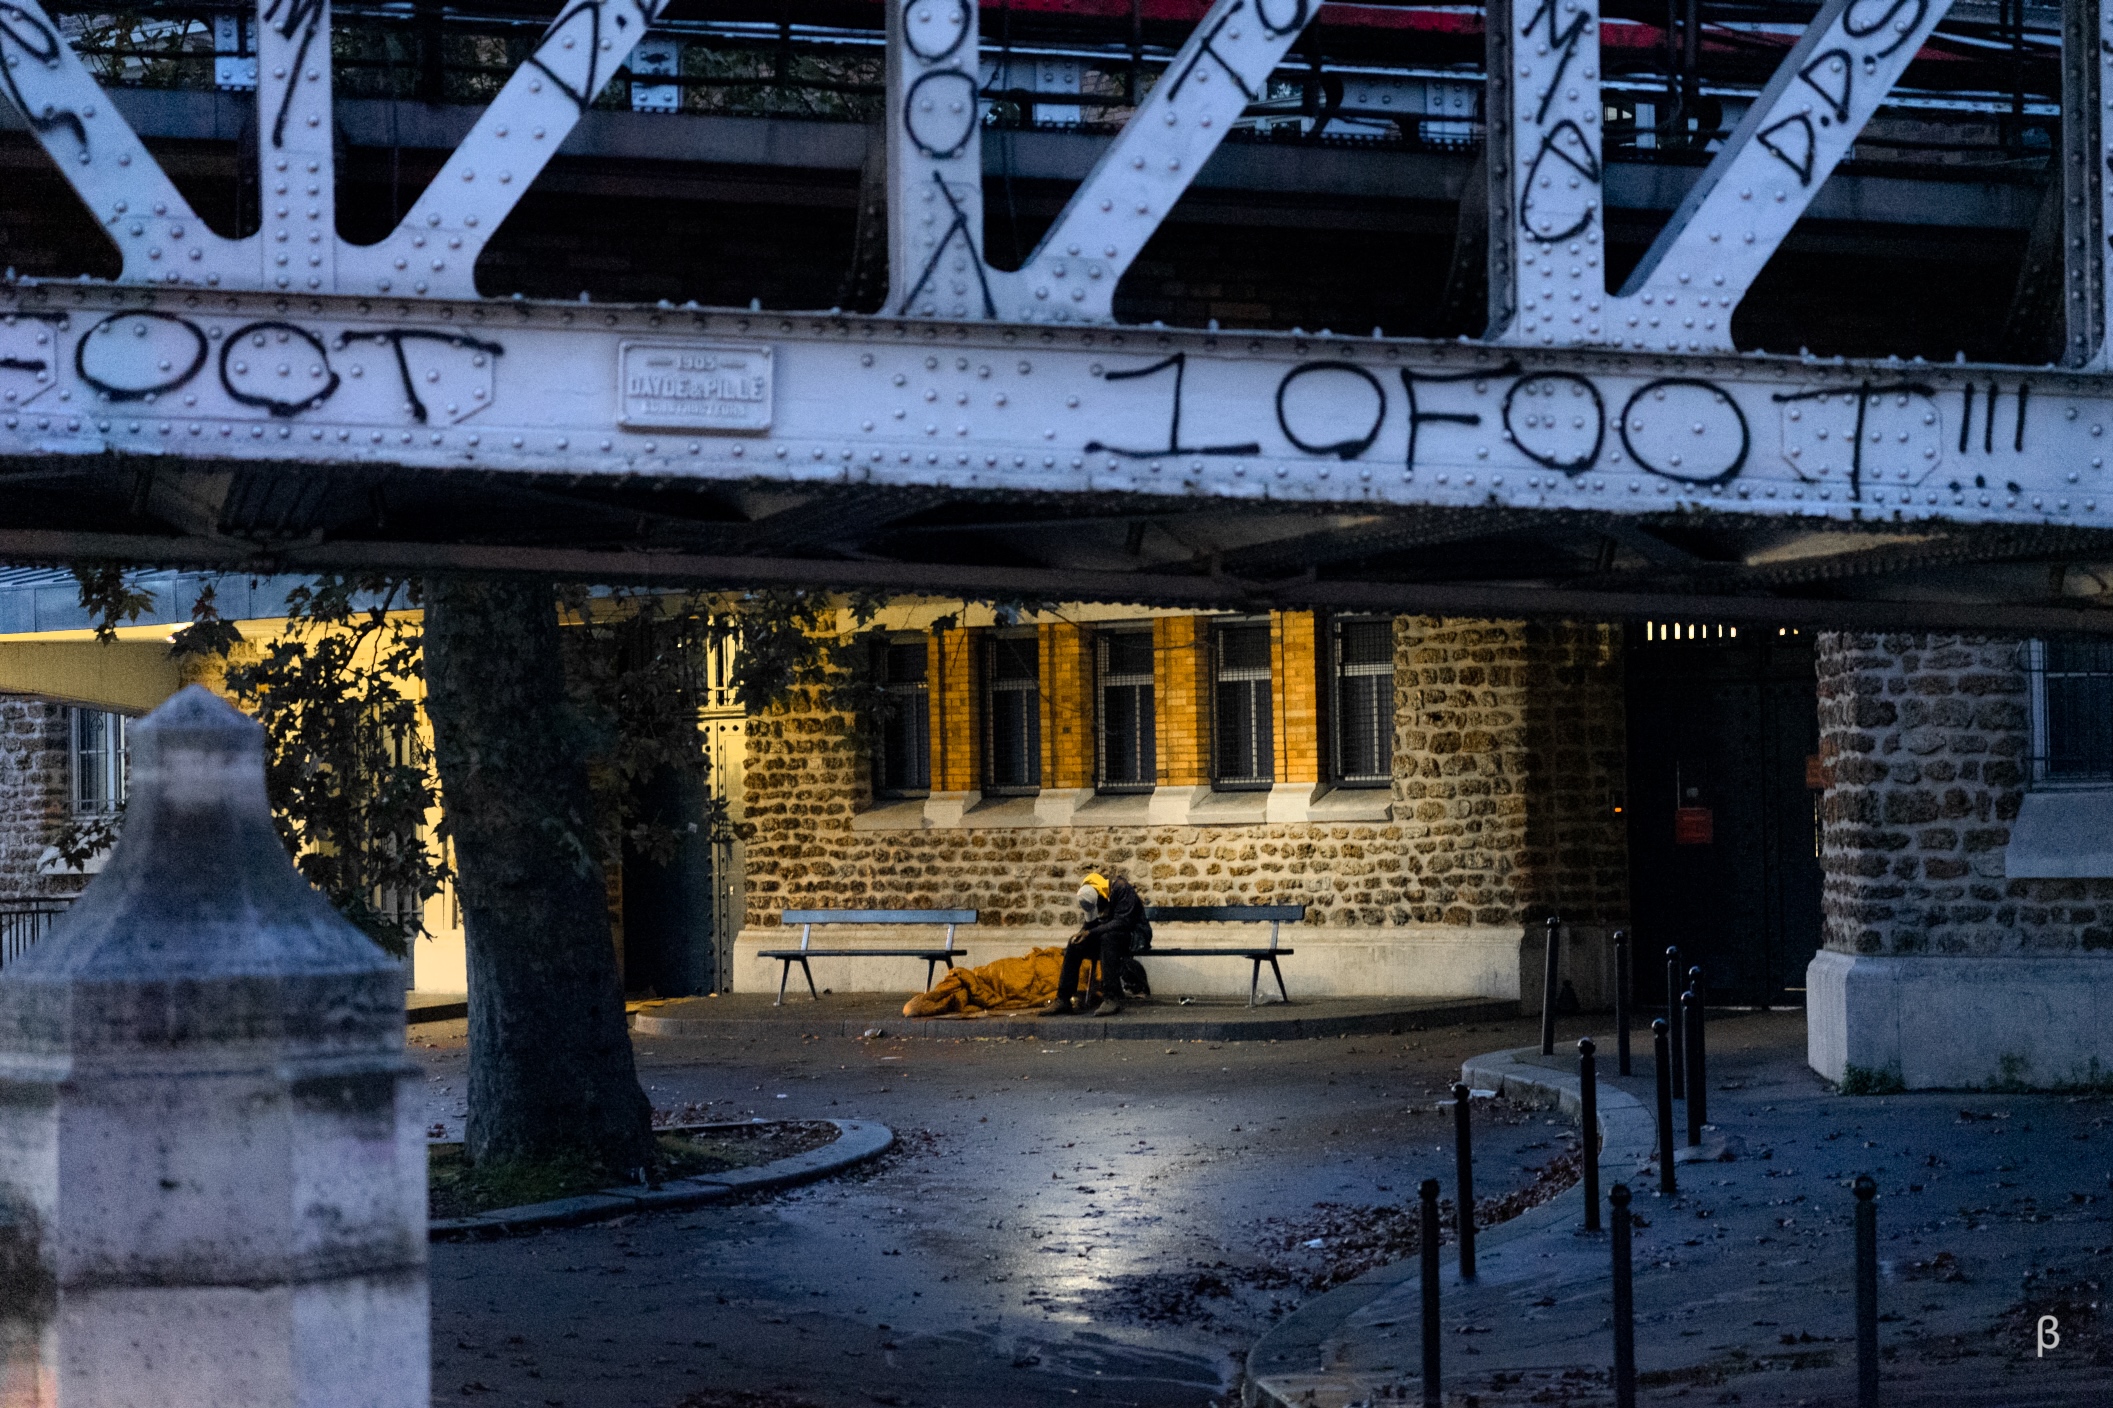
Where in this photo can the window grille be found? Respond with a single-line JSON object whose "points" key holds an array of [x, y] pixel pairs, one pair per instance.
{"points": [[1364, 703], [719, 644], [100, 761], [905, 762], [1012, 715], [1243, 722], [2072, 710], [1128, 744]]}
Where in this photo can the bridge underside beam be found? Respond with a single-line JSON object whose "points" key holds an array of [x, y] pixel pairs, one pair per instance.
{"points": [[1140, 464], [1168, 551]]}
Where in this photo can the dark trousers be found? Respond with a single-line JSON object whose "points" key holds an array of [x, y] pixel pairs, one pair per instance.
{"points": [[1112, 950]]}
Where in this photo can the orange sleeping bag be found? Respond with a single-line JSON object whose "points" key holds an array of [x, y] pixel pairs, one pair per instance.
{"points": [[1007, 984]]}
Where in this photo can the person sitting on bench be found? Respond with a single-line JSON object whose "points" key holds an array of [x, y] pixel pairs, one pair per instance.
{"points": [[1114, 918]]}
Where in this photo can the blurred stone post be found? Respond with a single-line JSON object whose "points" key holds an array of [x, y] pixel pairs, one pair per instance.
{"points": [[212, 1170]]}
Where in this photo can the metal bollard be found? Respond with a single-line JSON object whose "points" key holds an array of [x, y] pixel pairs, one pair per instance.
{"points": [[1621, 1001], [1551, 976], [1866, 1292], [1464, 1180], [1688, 1020], [1672, 1018], [1663, 1060], [1624, 1302], [1431, 1390], [1588, 1120], [1697, 1054]]}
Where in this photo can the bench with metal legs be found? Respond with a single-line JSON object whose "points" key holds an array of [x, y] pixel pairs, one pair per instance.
{"points": [[808, 918], [1275, 915]]}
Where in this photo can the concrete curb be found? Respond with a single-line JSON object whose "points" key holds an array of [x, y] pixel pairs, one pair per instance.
{"points": [[856, 1141], [1288, 1364], [1139, 1027]]}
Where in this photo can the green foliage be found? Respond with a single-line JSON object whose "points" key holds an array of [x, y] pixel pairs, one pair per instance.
{"points": [[109, 599], [80, 837], [351, 780], [1864, 1080], [793, 638], [208, 635], [789, 639], [635, 665]]}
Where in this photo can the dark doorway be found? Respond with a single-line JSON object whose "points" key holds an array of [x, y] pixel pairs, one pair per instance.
{"points": [[1723, 855]]}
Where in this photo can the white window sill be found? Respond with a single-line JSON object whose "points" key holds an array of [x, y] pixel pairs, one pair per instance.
{"points": [[1285, 803]]}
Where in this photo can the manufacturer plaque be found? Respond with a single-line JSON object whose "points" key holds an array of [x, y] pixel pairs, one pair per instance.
{"points": [[694, 386]]}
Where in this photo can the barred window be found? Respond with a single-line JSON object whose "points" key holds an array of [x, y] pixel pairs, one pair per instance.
{"points": [[1364, 702], [1242, 719], [904, 767], [99, 761], [1012, 715], [1128, 744], [2072, 710]]}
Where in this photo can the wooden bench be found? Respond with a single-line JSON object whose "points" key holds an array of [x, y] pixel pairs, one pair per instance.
{"points": [[808, 918], [1275, 915]]}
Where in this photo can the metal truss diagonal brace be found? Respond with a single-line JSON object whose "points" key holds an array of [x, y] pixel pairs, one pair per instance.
{"points": [[160, 238], [935, 163], [2087, 255], [1803, 124], [1224, 66], [1547, 285], [433, 251]]}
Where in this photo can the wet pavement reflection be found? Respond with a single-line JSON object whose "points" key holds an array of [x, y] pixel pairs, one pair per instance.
{"points": [[1061, 1223]]}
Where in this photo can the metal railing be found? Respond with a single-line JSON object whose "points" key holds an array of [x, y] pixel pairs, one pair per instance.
{"points": [[24, 921], [1987, 97]]}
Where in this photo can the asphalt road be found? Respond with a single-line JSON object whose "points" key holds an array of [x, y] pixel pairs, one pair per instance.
{"points": [[1062, 1224]]}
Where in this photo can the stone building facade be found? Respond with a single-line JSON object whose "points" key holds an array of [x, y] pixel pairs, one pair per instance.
{"points": [[36, 794], [1969, 885], [1503, 806]]}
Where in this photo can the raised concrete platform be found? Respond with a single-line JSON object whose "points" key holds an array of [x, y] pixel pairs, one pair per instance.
{"points": [[855, 1014], [2000, 1022]]}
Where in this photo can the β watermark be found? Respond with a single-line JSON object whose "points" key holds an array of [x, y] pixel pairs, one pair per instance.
{"points": [[2048, 1335]]}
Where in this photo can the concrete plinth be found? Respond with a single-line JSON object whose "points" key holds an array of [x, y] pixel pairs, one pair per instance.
{"points": [[1940, 1023], [212, 1166], [1428, 960]]}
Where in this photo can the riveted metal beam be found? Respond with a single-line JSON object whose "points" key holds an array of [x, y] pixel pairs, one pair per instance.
{"points": [[1682, 293], [985, 407], [1547, 224], [2087, 58]]}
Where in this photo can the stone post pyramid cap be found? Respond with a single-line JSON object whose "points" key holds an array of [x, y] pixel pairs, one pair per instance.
{"points": [[200, 892]]}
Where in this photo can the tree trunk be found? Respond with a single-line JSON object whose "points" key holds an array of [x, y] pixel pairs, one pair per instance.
{"points": [[550, 1057]]}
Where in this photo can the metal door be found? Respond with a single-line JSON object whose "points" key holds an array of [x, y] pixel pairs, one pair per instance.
{"points": [[1721, 721]]}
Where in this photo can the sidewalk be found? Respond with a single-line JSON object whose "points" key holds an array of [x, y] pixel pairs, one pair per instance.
{"points": [[1993, 1210], [1149, 1019]]}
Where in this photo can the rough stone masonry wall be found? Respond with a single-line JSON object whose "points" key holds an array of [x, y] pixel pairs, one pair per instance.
{"points": [[1509, 763], [35, 792], [1928, 741], [1508, 754]]}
